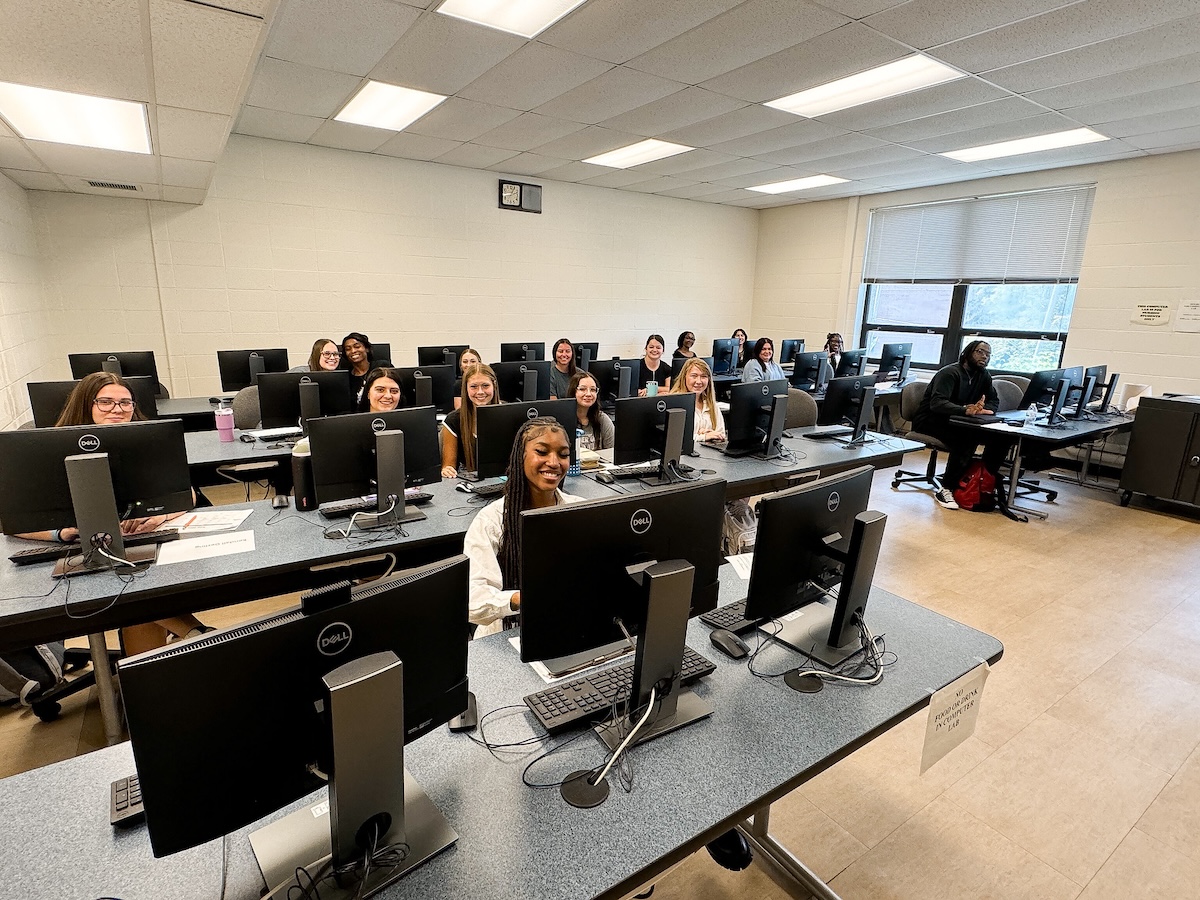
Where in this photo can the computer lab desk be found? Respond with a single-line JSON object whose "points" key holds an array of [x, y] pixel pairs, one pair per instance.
{"points": [[762, 742]]}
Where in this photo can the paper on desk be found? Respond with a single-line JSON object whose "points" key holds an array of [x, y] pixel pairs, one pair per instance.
{"points": [[187, 550], [205, 520], [953, 712], [742, 563]]}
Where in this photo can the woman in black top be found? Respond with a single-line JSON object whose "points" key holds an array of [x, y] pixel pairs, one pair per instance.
{"points": [[683, 349], [743, 346], [358, 360], [652, 367]]}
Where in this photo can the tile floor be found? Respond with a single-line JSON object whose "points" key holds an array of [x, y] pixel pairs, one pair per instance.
{"points": [[1083, 777]]}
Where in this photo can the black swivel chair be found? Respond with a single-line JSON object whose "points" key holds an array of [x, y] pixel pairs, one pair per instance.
{"points": [[910, 401]]}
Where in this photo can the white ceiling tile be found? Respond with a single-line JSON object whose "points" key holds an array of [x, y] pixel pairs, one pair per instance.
{"points": [[860, 9], [415, 146], [687, 162], [422, 60], [1152, 123], [187, 173], [1072, 26], [802, 131], [574, 171], [202, 56], [941, 98], [35, 181], [686, 107], [617, 178], [15, 155], [588, 142], [532, 76], [1056, 159], [300, 89], [731, 169], [767, 176], [994, 133], [1007, 110], [473, 156], [98, 165], [527, 164], [188, 134], [746, 33], [1175, 77], [7, 132], [927, 23], [618, 30], [618, 90], [341, 37], [277, 125], [842, 157], [1133, 51], [733, 195], [88, 48], [923, 166], [349, 136], [660, 184], [1181, 98], [694, 191], [730, 126], [1175, 139], [183, 195], [844, 51], [527, 131], [145, 190], [456, 119]]}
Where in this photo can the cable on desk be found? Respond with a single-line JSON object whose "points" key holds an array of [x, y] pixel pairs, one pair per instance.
{"points": [[458, 512], [53, 588], [126, 579], [374, 857], [513, 746]]}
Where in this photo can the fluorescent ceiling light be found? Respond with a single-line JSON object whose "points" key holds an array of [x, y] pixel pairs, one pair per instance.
{"points": [[1028, 145], [636, 154], [387, 106], [40, 114], [900, 77], [524, 17], [797, 184]]}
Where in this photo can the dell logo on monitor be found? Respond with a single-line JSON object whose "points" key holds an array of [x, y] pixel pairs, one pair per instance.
{"points": [[641, 521], [378, 425], [765, 390], [334, 638], [524, 346], [417, 373], [89, 443], [304, 379], [254, 354], [834, 501], [524, 368], [662, 406], [531, 413]]}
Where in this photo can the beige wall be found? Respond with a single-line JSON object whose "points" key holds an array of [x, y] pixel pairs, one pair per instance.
{"points": [[25, 343], [298, 242], [1143, 246]]}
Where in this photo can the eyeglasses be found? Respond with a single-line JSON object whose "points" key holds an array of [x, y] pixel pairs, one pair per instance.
{"points": [[334, 355], [107, 404]]}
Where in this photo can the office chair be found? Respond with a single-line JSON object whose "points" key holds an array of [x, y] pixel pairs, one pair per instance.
{"points": [[161, 392], [246, 414], [1009, 393], [1019, 380], [801, 409], [910, 401], [45, 704]]}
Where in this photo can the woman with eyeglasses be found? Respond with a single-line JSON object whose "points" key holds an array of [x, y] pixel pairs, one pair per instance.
{"points": [[597, 427], [325, 357], [683, 348], [103, 398]]}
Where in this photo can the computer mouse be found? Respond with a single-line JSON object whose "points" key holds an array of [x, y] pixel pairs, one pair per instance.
{"points": [[280, 501], [214, 399], [604, 477], [463, 486], [728, 643]]}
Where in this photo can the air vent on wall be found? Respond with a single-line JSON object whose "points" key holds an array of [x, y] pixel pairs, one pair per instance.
{"points": [[113, 186]]}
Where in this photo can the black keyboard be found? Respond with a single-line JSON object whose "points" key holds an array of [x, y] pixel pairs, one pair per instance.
{"points": [[51, 552], [644, 470], [344, 509], [125, 803], [492, 487], [589, 698], [731, 618]]}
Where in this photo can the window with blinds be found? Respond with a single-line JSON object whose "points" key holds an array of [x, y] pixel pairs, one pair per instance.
{"points": [[1003, 268]]}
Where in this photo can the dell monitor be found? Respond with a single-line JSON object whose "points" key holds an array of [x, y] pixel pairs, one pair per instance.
{"points": [[520, 381], [894, 361], [497, 428], [523, 351], [809, 371], [121, 362], [279, 396], [1109, 391], [1044, 385], [849, 401], [441, 355], [332, 688], [617, 378], [92, 477], [1054, 416], [1100, 373], [641, 426], [381, 354], [811, 540], [1077, 405], [851, 362], [441, 385], [586, 353], [47, 398], [724, 356], [788, 348], [754, 423], [241, 368]]}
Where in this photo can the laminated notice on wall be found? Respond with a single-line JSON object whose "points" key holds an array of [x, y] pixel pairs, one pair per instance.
{"points": [[1189, 316], [953, 712], [1150, 314]]}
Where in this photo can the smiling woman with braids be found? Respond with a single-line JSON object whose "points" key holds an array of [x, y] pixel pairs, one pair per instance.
{"points": [[540, 457]]}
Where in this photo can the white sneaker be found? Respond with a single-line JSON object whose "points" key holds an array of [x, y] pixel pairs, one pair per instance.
{"points": [[945, 498]]}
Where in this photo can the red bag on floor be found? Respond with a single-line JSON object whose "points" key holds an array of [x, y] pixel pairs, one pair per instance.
{"points": [[977, 489]]}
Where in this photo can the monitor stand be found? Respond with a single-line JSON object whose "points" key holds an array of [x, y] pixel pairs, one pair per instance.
{"points": [[773, 445], [658, 661], [368, 784], [672, 451], [90, 481], [389, 481]]}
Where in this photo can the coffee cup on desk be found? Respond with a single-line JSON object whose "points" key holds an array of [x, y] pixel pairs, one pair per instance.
{"points": [[224, 417]]}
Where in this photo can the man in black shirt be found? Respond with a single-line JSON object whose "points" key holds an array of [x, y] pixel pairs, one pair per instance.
{"points": [[962, 389]]}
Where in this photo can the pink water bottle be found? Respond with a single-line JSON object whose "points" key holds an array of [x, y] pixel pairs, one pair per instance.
{"points": [[224, 417]]}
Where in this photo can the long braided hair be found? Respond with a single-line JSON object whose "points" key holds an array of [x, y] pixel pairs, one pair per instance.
{"points": [[516, 498]]}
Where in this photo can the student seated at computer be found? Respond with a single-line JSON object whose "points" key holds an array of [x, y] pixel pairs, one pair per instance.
{"points": [[597, 427], [381, 392], [102, 398], [359, 359], [963, 388], [652, 367], [761, 366], [695, 378], [540, 458], [743, 347], [325, 357], [479, 388], [562, 369], [834, 345], [469, 358], [683, 348]]}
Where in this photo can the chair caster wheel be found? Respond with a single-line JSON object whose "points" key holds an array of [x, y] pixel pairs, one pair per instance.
{"points": [[47, 711], [895, 484], [1051, 496]]}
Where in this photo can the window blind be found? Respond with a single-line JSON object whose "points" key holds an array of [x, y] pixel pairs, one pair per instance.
{"points": [[1035, 235]]}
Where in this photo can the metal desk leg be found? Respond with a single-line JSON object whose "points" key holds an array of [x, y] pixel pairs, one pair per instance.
{"points": [[1014, 482], [765, 846], [110, 712]]}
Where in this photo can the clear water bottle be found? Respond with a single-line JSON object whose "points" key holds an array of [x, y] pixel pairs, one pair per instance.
{"points": [[574, 469], [1031, 415]]}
